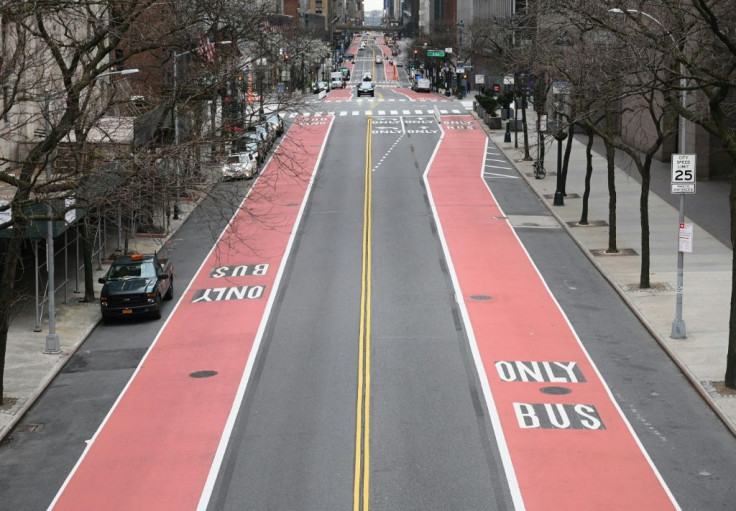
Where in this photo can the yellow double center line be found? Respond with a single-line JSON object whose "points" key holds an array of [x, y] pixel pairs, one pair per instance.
{"points": [[362, 412]]}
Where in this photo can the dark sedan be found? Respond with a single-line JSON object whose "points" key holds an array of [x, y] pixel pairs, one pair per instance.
{"points": [[366, 89]]}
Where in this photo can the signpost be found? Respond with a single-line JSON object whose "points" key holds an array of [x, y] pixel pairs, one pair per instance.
{"points": [[682, 182], [435, 53]]}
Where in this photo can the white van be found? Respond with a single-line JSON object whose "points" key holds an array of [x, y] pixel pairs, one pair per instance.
{"points": [[336, 81]]}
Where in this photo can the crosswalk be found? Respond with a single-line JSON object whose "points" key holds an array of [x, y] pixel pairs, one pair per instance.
{"points": [[429, 98], [377, 112]]}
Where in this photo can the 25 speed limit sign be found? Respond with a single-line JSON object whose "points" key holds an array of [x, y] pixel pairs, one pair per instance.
{"points": [[683, 173]]}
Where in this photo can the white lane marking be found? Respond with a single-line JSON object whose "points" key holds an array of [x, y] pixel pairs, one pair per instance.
{"points": [[230, 424], [497, 167], [343, 113], [503, 448], [368, 112], [406, 112], [355, 112], [575, 335], [493, 174], [394, 112]]}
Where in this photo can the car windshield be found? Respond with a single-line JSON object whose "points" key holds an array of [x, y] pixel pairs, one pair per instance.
{"points": [[131, 271], [233, 159]]}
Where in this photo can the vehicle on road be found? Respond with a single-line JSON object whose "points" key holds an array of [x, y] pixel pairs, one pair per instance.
{"points": [[422, 85], [250, 142], [240, 166], [135, 285], [320, 86], [366, 89], [336, 81], [379, 59], [345, 74], [350, 57], [276, 123], [367, 77]]}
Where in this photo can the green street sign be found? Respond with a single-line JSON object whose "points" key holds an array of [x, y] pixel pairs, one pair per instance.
{"points": [[435, 53]]}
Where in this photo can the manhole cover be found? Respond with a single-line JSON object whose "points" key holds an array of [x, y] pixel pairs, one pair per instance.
{"points": [[481, 297], [556, 391], [202, 374]]}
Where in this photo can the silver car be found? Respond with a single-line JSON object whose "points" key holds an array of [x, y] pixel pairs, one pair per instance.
{"points": [[240, 166]]}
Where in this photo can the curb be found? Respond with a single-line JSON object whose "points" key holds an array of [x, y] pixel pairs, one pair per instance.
{"points": [[694, 382], [65, 356]]}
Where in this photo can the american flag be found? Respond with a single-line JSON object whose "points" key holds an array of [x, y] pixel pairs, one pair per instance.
{"points": [[206, 48]]}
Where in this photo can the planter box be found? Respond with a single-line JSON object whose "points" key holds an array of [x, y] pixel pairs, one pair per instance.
{"points": [[494, 123], [517, 125]]}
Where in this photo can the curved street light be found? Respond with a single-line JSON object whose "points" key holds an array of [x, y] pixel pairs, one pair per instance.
{"points": [[52, 346]]}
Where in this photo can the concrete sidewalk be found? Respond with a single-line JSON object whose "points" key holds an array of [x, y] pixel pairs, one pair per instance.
{"points": [[27, 369], [707, 270]]}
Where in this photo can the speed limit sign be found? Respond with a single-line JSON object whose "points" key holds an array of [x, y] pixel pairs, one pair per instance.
{"points": [[683, 173]]}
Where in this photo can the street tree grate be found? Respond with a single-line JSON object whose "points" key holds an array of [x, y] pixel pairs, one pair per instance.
{"points": [[28, 428], [602, 252], [591, 223]]}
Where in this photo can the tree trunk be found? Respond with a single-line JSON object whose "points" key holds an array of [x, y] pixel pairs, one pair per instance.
{"points": [[527, 156], [9, 261], [730, 378], [610, 160], [566, 157], [644, 214], [588, 174], [89, 286]]}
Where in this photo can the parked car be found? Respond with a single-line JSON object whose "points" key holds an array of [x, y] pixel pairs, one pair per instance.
{"points": [[268, 136], [240, 166], [276, 123], [379, 59], [320, 86], [250, 142], [366, 89], [135, 285]]}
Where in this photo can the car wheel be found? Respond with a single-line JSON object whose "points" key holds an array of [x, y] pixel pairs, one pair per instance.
{"points": [[170, 292], [156, 314]]}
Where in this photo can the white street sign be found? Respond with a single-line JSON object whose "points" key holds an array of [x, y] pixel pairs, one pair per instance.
{"points": [[480, 79], [685, 238], [683, 173]]}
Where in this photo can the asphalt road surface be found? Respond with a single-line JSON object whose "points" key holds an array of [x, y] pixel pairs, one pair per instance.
{"points": [[362, 361]]}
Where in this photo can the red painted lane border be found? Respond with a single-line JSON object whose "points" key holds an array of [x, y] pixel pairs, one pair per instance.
{"points": [[156, 447], [419, 96], [587, 468]]}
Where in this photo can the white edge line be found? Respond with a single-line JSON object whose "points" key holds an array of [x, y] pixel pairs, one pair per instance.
{"points": [[227, 430], [91, 441], [585, 352], [503, 448]]}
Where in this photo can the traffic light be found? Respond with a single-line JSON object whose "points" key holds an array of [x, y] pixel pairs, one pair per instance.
{"points": [[416, 52], [286, 57]]}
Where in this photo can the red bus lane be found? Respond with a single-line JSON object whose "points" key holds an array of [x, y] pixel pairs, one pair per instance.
{"points": [[569, 447], [157, 445]]}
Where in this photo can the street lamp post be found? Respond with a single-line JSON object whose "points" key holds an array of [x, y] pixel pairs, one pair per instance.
{"points": [[52, 346], [678, 324]]}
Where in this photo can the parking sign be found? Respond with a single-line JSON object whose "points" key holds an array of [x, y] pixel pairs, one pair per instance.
{"points": [[683, 173]]}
